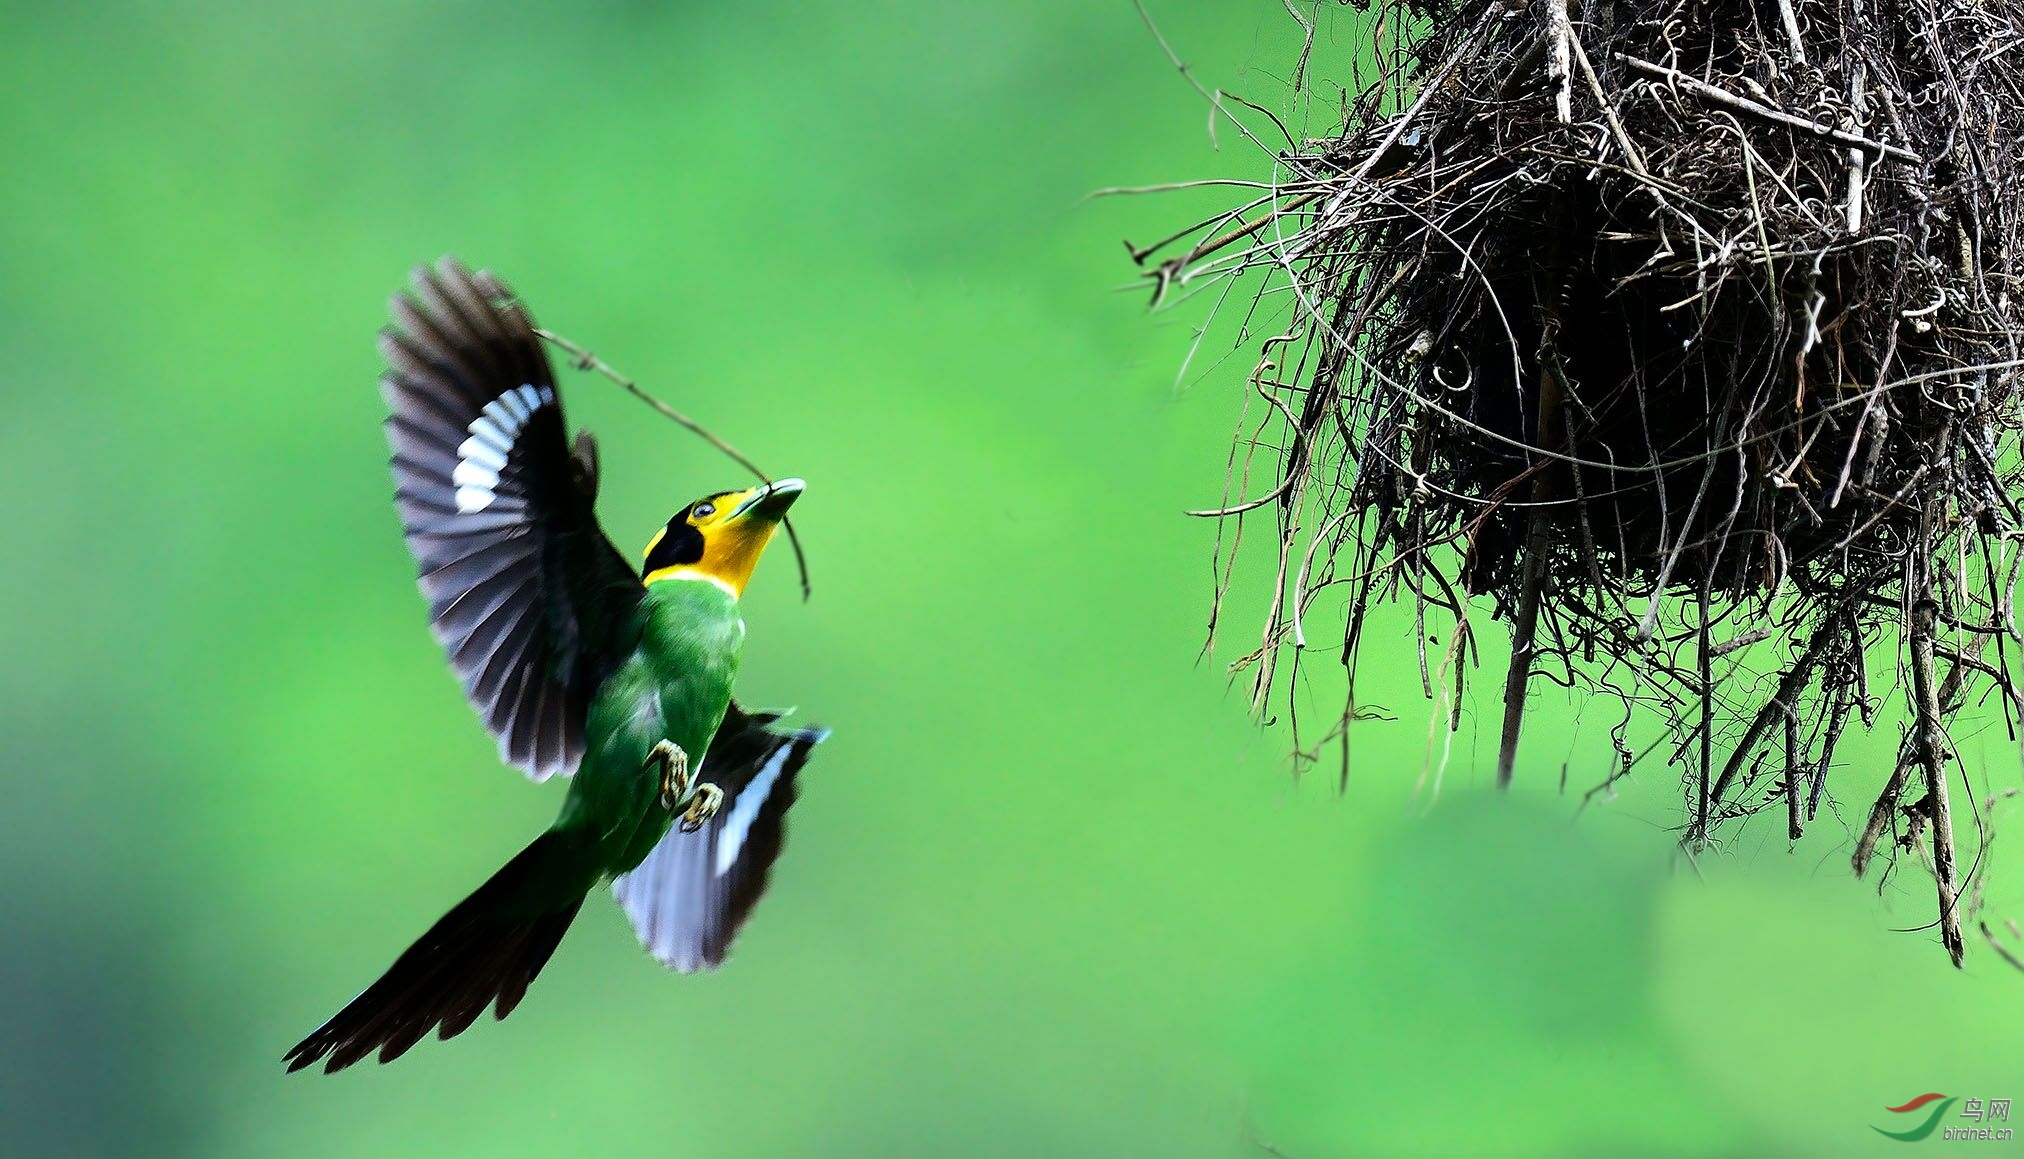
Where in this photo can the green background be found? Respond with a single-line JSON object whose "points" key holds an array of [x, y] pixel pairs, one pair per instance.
{"points": [[1049, 890]]}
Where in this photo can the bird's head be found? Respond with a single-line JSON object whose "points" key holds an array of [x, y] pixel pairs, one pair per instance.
{"points": [[719, 537]]}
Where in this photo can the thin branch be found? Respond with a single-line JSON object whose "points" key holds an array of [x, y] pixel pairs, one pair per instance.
{"points": [[583, 359], [1747, 106], [1932, 755]]}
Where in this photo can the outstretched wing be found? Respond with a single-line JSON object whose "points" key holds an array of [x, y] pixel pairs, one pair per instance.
{"points": [[533, 605], [690, 895]]}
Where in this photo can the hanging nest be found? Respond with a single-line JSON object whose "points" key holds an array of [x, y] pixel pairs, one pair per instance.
{"points": [[1686, 331]]}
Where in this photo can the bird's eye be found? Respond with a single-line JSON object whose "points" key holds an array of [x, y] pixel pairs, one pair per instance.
{"points": [[703, 511]]}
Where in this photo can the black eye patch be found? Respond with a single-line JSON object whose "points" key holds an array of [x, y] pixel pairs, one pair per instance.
{"points": [[680, 545]]}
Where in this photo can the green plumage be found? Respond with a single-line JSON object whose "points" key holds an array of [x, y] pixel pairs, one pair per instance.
{"points": [[676, 685]]}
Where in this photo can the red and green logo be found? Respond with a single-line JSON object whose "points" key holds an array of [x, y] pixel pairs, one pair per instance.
{"points": [[1914, 1134]]}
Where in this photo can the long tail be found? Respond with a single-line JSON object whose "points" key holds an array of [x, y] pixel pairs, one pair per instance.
{"points": [[485, 951]]}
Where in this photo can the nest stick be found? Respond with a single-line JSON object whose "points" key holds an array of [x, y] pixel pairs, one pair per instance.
{"points": [[1558, 65], [1792, 37], [2000, 948], [1893, 790], [1795, 796], [1788, 694], [1705, 686], [1837, 717], [1932, 753], [1538, 531], [1525, 625], [1747, 106], [1879, 818], [1857, 159], [1631, 154]]}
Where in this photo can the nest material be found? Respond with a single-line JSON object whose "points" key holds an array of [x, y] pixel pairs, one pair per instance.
{"points": [[1674, 327]]}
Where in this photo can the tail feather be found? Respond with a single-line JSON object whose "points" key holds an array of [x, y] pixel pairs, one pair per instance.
{"points": [[485, 952], [689, 897]]}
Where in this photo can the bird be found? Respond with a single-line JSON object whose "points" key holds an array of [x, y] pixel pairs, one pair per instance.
{"points": [[579, 665]]}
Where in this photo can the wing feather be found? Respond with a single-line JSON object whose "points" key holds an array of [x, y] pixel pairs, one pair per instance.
{"points": [[531, 602], [507, 664]]}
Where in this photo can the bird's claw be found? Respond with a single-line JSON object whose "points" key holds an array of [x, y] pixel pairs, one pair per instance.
{"points": [[703, 805], [675, 783], [695, 804]]}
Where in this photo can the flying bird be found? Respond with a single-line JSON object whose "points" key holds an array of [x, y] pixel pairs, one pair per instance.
{"points": [[580, 666]]}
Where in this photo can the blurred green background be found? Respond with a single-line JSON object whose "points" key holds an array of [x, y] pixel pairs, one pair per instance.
{"points": [[1049, 891]]}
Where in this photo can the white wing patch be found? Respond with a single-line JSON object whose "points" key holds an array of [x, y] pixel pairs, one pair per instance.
{"points": [[745, 810], [484, 454]]}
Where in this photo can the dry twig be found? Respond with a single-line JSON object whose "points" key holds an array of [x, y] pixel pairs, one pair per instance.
{"points": [[583, 359]]}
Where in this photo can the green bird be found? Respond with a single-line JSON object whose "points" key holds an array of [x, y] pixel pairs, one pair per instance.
{"points": [[579, 665]]}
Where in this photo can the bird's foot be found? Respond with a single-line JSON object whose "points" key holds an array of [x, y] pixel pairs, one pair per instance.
{"points": [[675, 781], [703, 805], [695, 804]]}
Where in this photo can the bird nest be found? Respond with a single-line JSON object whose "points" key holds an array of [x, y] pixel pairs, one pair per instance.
{"points": [[1684, 331]]}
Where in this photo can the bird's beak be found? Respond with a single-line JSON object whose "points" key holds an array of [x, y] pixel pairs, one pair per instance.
{"points": [[767, 504]]}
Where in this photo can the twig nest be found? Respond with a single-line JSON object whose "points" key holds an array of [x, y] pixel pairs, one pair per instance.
{"points": [[1669, 326]]}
